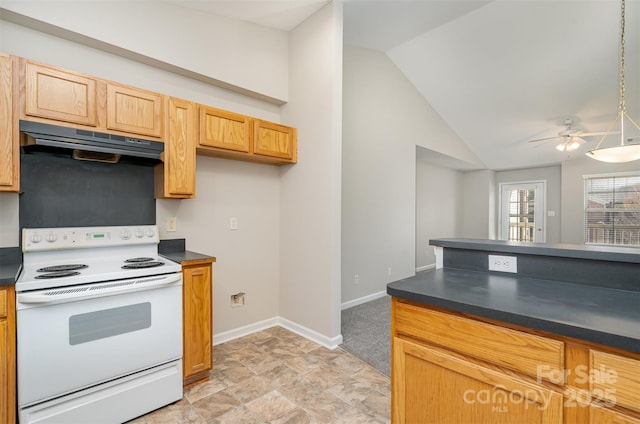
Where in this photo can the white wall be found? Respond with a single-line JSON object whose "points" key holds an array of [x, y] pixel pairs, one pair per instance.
{"points": [[438, 207], [204, 46], [310, 191], [384, 119], [573, 192], [248, 259], [550, 174], [478, 204]]}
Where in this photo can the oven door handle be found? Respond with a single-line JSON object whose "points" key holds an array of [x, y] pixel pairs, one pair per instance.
{"points": [[105, 289]]}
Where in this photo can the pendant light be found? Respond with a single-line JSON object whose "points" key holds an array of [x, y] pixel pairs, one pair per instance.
{"points": [[623, 152]]}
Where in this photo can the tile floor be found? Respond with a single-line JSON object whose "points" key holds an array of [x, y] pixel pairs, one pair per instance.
{"points": [[275, 376]]}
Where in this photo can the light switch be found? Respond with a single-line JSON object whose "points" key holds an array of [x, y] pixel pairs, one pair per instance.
{"points": [[172, 223], [233, 223]]}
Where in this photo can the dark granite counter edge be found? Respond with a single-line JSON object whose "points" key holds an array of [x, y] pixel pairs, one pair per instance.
{"points": [[187, 256], [604, 253], [10, 265], [595, 336], [174, 249]]}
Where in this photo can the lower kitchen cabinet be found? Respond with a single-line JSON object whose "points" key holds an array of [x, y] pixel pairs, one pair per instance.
{"points": [[434, 386], [197, 320], [7, 355], [449, 367]]}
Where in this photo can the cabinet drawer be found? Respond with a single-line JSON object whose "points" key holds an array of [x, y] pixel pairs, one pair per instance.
{"points": [[534, 355], [616, 379], [3, 303]]}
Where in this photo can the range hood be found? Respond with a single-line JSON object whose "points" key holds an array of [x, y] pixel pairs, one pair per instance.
{"points": [[88, 145]]}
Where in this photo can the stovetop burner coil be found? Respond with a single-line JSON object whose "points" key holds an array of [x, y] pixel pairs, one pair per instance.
{"points": [[141, 259], [57, 274], [66, 267], [135, 265]]}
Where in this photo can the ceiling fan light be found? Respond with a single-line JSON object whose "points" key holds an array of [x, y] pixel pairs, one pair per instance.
{"points": [[561, 147], [619, 154], [573, 145]]}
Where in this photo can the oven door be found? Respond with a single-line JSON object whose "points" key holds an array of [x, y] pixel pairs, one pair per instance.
{"points": [[76, 337]]}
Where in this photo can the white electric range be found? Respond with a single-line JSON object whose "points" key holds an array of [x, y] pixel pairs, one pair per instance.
{"points": [[99, 325]]}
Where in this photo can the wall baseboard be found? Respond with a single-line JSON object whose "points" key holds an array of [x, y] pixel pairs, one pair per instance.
{"points": [[361, 300], [426, 267], [236, 333]]}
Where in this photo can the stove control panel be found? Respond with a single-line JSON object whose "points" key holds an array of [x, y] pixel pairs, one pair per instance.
{"points": [[42, 239]]}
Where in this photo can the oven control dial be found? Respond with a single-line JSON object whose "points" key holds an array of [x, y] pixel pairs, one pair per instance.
{"points": [[36, 238], [51, 237], [125, 234], [150, 233], [139, 233]]}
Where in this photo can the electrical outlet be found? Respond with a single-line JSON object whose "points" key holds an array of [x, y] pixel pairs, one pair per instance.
{"points": [[503, 263], [237, 300], [356, 279], [233, 223], [171, 224]]}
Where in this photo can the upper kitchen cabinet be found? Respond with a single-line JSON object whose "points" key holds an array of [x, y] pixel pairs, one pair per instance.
{"points": [[56, 94], [274, 140], [176, 176], [234, 136], [133, 110], [9, 136], [224, 130]]}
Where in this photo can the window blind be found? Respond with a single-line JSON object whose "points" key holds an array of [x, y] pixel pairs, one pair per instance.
{"points": [[612, 210]]}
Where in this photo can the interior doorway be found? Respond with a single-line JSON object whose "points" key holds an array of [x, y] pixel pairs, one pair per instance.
{"points": [[522, 211]]}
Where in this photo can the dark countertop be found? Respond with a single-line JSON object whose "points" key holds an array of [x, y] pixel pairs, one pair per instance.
{"points": [[187, 256], [10, 265], [602, 315], [174, 249], [577, 251]]}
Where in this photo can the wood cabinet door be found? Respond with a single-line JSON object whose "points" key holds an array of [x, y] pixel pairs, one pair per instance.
{"points": [[224, 130], [270, 139], [60, 95], [431, 386], [134, 110], [179, 168], [9, 137], [7, 356], [599, 415], [197, 320]]}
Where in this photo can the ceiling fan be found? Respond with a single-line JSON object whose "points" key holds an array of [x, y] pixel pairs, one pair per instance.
{"points": [[570, 138]]}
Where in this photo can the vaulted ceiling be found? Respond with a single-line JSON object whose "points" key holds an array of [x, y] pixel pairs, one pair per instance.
{"points": [[501, 72]]}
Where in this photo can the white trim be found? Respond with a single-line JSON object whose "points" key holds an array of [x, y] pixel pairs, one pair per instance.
{"points": [[611, 174], [236, 333], [426, 267], [329, 343], [361, 300]]}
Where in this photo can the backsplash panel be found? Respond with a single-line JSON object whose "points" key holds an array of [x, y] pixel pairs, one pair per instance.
{"points": [[58, 191]]}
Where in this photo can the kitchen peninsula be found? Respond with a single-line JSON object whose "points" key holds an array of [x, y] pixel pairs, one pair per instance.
{"points": [[556, 341]]}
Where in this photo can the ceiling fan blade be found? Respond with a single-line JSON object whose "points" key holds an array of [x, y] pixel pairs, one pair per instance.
{"points": [[543, 139], [589, 134]]}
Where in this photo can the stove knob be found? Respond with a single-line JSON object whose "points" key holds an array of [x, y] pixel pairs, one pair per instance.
{"points": [[139, 233], [51, 237], [36, 238], [125, 234], [150, 233]]}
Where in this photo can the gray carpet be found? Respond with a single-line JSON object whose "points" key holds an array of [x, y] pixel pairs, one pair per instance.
{"points": [[366, 332]]}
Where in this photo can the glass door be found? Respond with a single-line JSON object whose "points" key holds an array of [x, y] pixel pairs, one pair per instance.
{"points": [[522, 211]]}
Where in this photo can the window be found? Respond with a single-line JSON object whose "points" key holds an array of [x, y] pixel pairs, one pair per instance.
{"points": [[612, 209]]}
